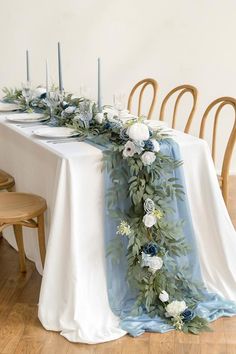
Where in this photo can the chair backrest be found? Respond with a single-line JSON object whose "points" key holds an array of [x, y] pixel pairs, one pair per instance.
{"points": [[143, 84], [221, 102], [182, 90]]}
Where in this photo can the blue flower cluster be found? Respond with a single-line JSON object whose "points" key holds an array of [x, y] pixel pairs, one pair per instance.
{"points": [[148, 145], [151, 248]]}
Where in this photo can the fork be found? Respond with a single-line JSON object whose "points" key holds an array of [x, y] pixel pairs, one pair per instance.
{"points": [[64, 141]]}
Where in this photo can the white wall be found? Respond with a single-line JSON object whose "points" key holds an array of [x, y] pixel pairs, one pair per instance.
{"points": [[178, 41]]}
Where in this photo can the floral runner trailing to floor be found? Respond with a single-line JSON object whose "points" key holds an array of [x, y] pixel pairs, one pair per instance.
{"points": [[153, 275]]}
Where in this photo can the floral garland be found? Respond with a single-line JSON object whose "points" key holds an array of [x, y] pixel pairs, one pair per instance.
{"points": [[140, 171]]}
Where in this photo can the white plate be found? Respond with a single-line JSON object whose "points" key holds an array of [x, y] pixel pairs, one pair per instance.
{"points": [[26, 117], [155, 124], [55, 132], [8, 107]]}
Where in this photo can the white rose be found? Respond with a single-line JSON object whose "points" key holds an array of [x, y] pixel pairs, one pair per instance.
{"points": [[99, 118], [129, 149], [155, 263], [164, 296], [145, 259], [156, 145], [38, 92], [148, 158], [70, 109], [149, 220], [149, 206], [111, 114], [175, 308], [138, 131]]}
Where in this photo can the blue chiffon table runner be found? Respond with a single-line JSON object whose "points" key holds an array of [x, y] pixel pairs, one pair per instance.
{"points": [[122, 298]]}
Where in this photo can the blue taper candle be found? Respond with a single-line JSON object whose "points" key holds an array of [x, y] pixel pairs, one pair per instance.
{"points": [[27, 66], [59, 67], [99, 87]]}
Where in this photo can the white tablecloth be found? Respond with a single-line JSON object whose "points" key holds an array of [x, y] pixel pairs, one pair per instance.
{"points": [[73, 296]]}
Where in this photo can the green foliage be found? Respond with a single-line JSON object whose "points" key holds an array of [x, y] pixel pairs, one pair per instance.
{"points": [[134, 182], [11, 95]]}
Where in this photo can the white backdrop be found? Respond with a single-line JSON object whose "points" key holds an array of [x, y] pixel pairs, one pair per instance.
{"points": [[174, 42]]}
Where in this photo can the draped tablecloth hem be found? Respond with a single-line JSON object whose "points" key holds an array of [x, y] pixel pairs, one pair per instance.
{"points": [[77, 335]]}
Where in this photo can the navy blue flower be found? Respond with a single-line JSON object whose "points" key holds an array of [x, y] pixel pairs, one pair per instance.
{"points": [[151, 248], [65, 105], [148, 145], [123, 134], [188, 315], [150, 133], [44, 95], [107, 125]]}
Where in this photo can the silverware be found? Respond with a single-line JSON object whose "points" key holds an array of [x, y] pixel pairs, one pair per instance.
{"points": [[64, 141], [30, 125]]}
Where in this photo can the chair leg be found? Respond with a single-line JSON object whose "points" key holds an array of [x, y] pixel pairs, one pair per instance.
{"points": [[20, 245], [41, 238]]}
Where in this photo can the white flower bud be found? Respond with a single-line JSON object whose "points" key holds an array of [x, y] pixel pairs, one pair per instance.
{"points": [[164, 296]]}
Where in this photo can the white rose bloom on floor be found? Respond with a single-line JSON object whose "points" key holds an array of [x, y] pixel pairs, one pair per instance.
{"points": [[164, 296], [149, 220], [175, 308], [129, 149], [138, 131], [148, 158]]}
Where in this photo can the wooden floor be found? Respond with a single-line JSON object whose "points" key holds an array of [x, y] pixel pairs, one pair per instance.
{"points": [[22, 333]]}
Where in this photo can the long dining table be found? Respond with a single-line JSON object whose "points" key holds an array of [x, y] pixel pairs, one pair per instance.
{"points": [[73, 297]]}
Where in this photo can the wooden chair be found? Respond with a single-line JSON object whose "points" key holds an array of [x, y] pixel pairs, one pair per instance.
{"points": [[143, 84], [19, 209], [221, 102], [7, 182], [183, 89]]}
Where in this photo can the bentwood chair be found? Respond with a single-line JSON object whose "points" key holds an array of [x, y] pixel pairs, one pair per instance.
{"points": [[7, 182], [20, 209], [220, 103], [182, 90], [142, 86]]}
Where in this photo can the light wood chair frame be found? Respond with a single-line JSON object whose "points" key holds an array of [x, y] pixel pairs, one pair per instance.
{"points": [[183, 90], [224, 177], [18, 223], [144, 84], [7, 184]]}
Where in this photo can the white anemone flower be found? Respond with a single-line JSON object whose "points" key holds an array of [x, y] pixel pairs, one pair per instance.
{"points": [[129, 149]]}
